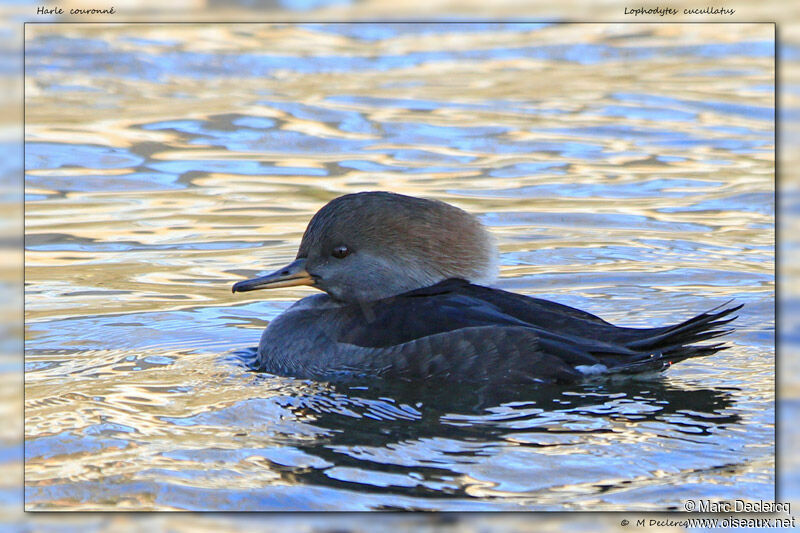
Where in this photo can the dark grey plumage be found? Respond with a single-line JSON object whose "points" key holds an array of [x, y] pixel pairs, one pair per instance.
{"points": [[458, 331]]}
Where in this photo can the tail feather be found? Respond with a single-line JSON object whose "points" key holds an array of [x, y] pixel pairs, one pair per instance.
{"points": [[680, 347], [659, 362], [701, 327], [663, 347]]}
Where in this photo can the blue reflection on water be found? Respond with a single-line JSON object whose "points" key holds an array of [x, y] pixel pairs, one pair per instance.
{"points": [[309, 5], [62, 242], [145, 181], [318, 113], [527, 169], [100, 59], [650, 113], [379, 32], [234, 166], [642, 189], [522, 107], [67, 444], [755, 202], [40, 155], [677, 104]]}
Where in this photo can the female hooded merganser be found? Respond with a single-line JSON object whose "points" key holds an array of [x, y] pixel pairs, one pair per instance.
{"points": [[404, 299]]}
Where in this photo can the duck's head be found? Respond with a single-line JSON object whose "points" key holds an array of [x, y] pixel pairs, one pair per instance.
{"points": [[372, 245]]}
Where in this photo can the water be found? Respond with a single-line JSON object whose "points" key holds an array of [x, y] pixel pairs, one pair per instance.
{"points": [[625, 169]]}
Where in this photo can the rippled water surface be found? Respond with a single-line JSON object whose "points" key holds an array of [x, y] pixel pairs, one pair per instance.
{"points": [[625, 169]]}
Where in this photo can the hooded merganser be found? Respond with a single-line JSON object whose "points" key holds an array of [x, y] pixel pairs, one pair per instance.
{"points": [[404, 298]]}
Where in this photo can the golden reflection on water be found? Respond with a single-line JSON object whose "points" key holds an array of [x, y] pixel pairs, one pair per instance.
{"points": [[639, 185]]}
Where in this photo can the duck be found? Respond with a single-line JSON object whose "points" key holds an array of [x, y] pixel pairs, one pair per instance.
{"points": [[406, 295]]}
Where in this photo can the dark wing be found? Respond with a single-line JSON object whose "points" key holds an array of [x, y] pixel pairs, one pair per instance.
{"points": [[461, 328], [615, 346], [444, 307]]}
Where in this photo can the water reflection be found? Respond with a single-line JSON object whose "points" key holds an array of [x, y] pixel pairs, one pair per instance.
{"points": [[407, 441]]}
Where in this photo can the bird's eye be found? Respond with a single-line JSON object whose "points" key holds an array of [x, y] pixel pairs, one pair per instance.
{"points": [[340, 252]]}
